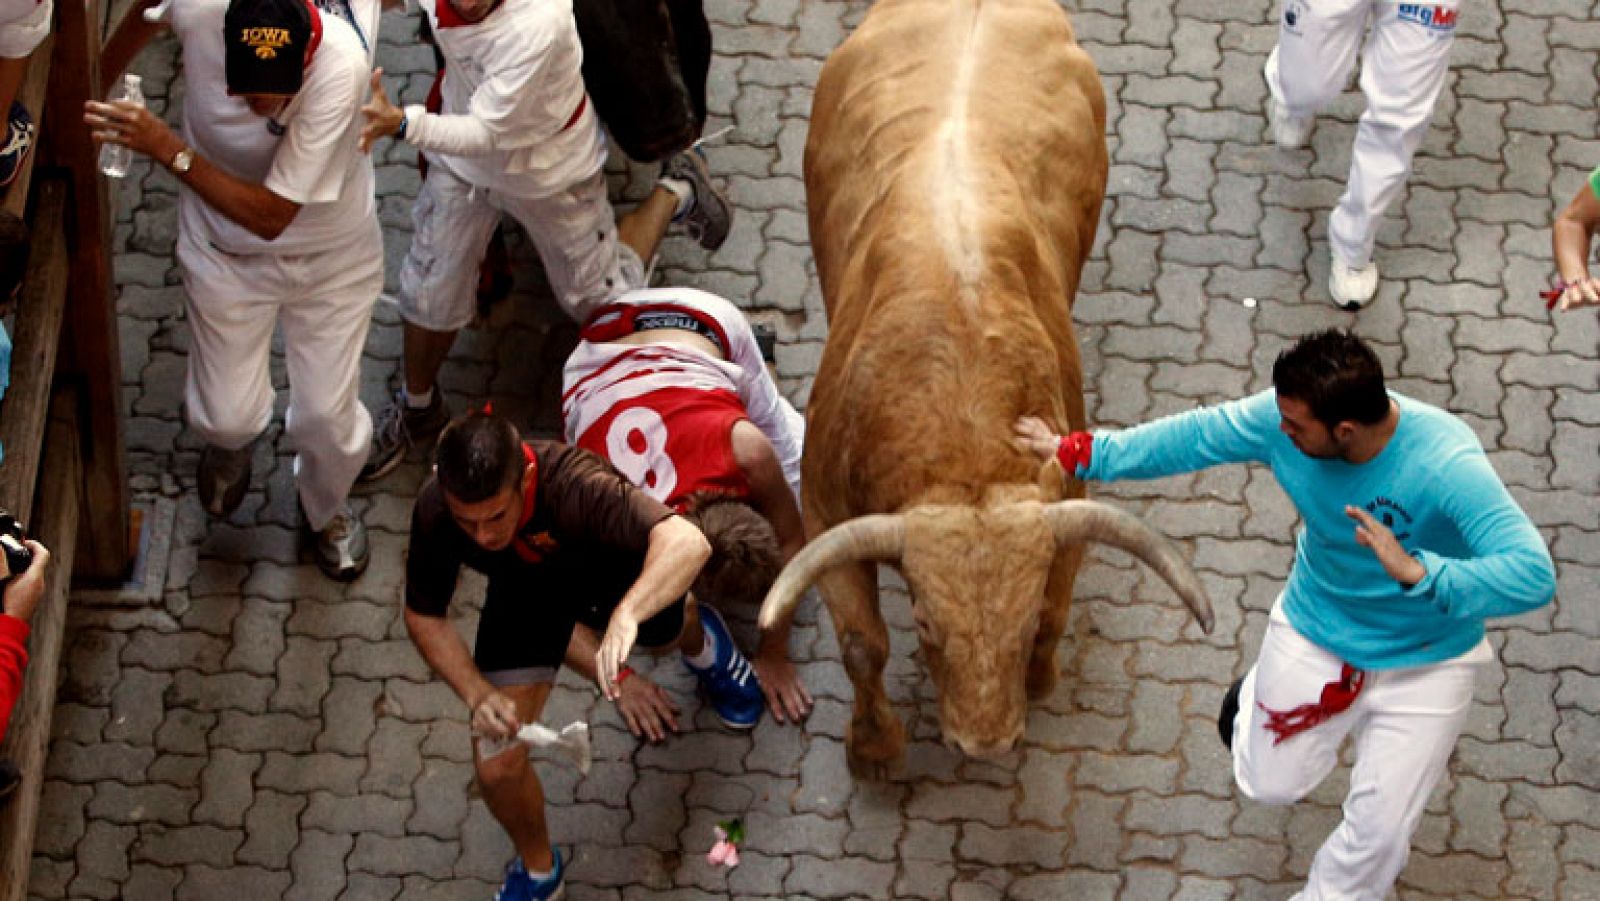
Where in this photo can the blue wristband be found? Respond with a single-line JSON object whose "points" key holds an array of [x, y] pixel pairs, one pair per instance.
{"points": [[400, 133]]}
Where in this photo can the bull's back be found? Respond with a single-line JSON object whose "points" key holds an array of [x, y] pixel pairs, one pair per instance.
{"points": [[949, 112], [954, 173]]}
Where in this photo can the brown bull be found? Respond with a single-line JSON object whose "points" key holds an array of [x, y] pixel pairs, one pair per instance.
{"points": [[954, 174]]}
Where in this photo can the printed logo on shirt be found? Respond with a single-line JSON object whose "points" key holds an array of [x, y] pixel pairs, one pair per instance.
{"points": [[266, 42], [534, 548], [1440, 20], [1393, 516], [1293, 12]]}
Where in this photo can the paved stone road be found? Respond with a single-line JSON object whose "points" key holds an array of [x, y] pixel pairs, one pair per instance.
{"points": [[250, 730]]}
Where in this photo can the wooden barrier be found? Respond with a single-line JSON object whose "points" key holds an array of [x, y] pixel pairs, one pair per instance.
{"points": [[56, 525], [60, 422]]}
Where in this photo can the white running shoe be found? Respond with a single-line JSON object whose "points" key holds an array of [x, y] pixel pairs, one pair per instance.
{"points": [[1289, 131], [1352, 287]]}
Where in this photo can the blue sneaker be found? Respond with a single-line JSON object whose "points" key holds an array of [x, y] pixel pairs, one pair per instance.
{"points": [[519, 886], [730, 682]]}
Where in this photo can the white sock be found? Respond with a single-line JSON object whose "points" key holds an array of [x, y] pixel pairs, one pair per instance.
{"points": [[418, 401], [681, 190], [708, 651], [537, 876]]}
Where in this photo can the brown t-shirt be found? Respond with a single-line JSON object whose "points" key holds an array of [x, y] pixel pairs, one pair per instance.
{"points": [[587, 537]]}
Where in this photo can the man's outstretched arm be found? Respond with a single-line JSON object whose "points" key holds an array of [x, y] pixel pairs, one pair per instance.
{"points": [[493, 713], [1239, 431], [787, 697], [676, 552]]}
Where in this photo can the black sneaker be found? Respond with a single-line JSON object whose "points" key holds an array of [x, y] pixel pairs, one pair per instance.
{"points": [[710, 216], [1229, 713], [224, 475], [397, 428]]}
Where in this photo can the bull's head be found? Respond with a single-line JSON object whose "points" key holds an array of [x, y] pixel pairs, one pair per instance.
{"points": [[977, 579]]}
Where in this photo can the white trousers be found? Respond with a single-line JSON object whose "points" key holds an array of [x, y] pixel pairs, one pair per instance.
{"points": [[324, 302], [1403, 67], [1405, 723], [575, 232]]}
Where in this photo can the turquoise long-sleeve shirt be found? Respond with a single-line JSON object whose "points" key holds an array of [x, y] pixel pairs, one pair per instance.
{"points": [[1431, 485]]}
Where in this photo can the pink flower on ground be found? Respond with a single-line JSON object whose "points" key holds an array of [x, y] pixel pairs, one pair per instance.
{"points": [[726, 851], [723, 853]]}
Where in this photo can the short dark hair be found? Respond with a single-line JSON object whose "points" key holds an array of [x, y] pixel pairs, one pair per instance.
{"points": [[1335, 374], [479, 456], [745, 558]]}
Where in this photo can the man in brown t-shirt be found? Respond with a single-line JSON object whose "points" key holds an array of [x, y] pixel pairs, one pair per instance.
{"points": [[564, 539]]}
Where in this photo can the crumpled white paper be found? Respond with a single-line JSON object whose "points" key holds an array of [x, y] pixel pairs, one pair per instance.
{"points": [[570, 745]]}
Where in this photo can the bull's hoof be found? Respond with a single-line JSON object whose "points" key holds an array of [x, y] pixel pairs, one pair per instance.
{"points": [[1043, 674], [877, 751]]}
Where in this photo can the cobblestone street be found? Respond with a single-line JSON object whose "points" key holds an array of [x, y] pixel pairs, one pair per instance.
{"points": [[239, 727]]}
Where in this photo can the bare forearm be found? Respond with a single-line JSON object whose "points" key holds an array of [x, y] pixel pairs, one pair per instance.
{"points": [[447, 654], [1570, 239], [774, 641], [251, 205], [581, 648], [259, 210], [676, 554]]}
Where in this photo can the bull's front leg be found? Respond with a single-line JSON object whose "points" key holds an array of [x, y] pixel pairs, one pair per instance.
{"points": [[1043, 672], [877, 740]]}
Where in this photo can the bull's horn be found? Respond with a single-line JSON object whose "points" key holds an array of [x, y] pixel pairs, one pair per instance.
{"points": [[879, 538], [1075, 522]]}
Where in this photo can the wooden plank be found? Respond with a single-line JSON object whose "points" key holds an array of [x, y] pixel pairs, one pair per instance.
{"points": [[90, 346], [33, 92], [114, 13], [56, 522], [127, 35], [33, 355]]}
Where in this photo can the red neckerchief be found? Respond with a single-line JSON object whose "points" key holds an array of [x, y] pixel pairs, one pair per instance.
{"points": [[316, 34], [447, 16], [531, 548], [1336, 698]]}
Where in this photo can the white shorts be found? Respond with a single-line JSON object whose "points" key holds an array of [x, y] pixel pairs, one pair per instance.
{"points": [[574, 231], [23, 26]]}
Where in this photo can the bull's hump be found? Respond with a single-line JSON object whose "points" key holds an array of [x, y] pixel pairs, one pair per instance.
{"points": [[943, 102]]}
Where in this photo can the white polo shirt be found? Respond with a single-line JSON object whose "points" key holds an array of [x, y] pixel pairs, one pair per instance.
{"points": [[512, 85], [309, 154]]}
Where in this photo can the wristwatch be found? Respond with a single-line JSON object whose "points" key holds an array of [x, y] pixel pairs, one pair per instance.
{"points": [[181, 161]]}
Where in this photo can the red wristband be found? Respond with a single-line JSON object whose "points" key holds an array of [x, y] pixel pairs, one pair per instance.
{"points": [[623, 674], [1073, 452]]}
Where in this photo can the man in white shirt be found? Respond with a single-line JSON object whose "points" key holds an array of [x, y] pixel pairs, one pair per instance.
{"points": [[276, 226], [517, 135]]}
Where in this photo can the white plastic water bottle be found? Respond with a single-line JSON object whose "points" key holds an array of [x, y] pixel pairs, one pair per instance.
{"points": [[114, 158]]}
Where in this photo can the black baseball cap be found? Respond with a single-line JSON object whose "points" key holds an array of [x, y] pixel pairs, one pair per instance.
{"points": [[267, 45]]}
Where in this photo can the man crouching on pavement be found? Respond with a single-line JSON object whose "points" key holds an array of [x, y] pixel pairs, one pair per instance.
{"points": [[564, 539]]}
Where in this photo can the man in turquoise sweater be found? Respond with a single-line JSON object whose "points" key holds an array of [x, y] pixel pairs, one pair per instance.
{"points": [[1410, 541]]}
